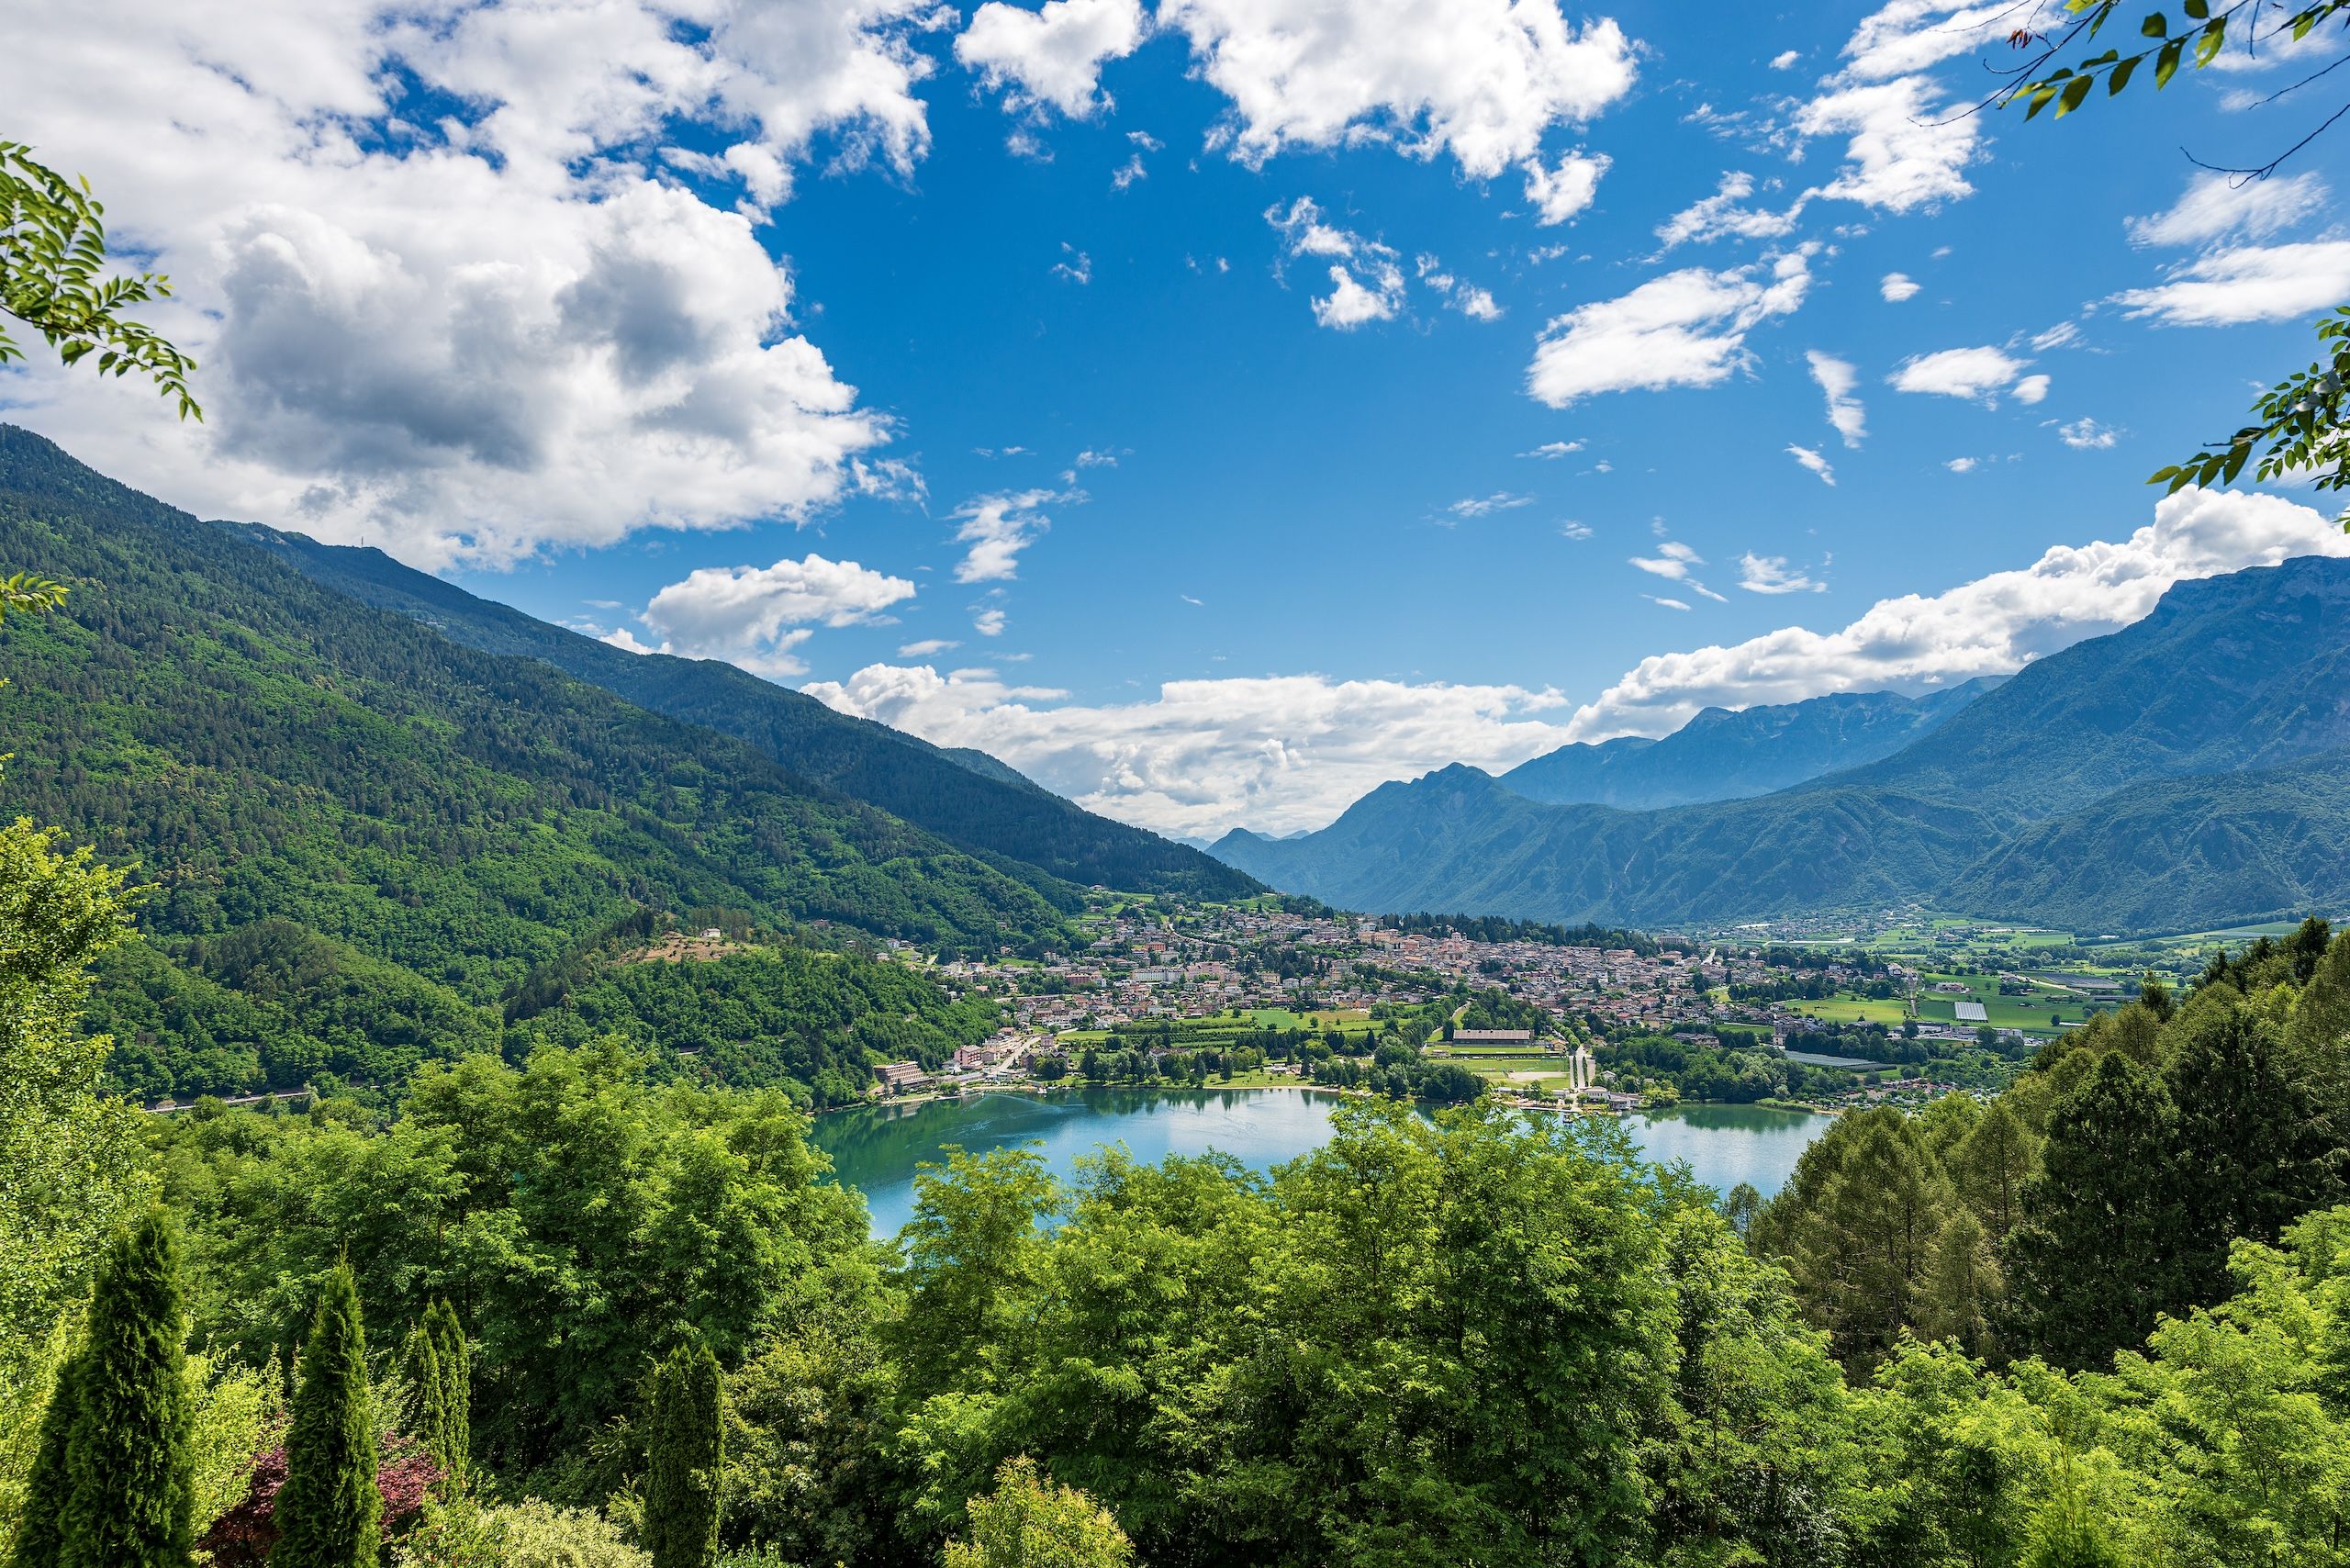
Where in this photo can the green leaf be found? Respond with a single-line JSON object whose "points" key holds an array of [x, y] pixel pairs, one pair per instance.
{"points": [[2198, 9], [2155, 25], [2120, 78], [2167, 63], [2076, 90], [2208, 45]]}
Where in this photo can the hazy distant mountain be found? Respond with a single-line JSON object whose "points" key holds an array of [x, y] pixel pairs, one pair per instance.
{"points": [[966, 797], [1725, 756], [2116, 784]]}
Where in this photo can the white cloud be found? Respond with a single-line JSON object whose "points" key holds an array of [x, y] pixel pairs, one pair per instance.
{"points": [[754, 616], [1486, 506], [1366, 280], [1559, 194], [1476, 304], [1278, 753], [1051, 56], [2216, 205], [1127, 172], [1724, 216], [1963, 464], [2249, 282], [1814, 462], [1981, 372], [1663, 602], [1075, 267], [988, 622], [1550, 450], [2030, 389], [1685, 328], [1906, 150], [1481, 79], [1992, 625], [1572, 528], [1897, 287], [1772, 575], [1786, 60], [926, 647], [1673, 559], [998, 528], [2087, 435], [468, 338], [1837, 379]]}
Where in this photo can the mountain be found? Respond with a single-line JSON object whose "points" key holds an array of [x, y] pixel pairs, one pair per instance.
{"points": [[1725, 756], [419, 825], [2179, 773], [966, 797]]}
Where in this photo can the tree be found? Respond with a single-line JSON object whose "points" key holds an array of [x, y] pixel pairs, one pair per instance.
{"points": [[687, 1458], [1028, 1522], [132, 1499], [2298, 425], [2095, 1261], [1992, 1163], [53, 253], [328, 1509], [452, 1353], [48, 1489]]}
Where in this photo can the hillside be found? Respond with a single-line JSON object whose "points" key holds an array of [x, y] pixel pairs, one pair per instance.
{"points": [[2174, 774], [1725, 756], [966, 797], [428, 822]]}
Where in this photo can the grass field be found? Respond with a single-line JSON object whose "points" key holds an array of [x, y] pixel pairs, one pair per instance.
{"points": [[1887, 1011], [2030, 1013]]}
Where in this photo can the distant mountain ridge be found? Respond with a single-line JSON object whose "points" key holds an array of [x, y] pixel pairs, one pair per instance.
{"points": [[966, 797], [2180, 772], [1723, 754]]}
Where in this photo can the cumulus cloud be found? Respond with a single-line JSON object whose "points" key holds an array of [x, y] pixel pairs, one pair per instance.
{"points": [[1905, 151], [1366, 276], [1673, 559], [1552, 451], [998, 528], [1897, 287], [1814, 462], [1725, 215], [754, 616], [1772, 575], [1052, 56], [2087, 435], [1786, 60], [1976, 373], [2216, 205], [1837, 378], [472, 337], [1963, 464], [1480, 80], [1685, 328], [1993, 625], [2248, 283], [1559, 194], [989, 622]]}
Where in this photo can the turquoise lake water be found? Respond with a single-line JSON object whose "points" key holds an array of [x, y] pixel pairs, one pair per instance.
{"points": [[877, 1148]]}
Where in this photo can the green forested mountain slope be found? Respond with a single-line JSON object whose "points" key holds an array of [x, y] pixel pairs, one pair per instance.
{"points": [[1725, 756], [968, 797], [2179, 773], [256, 747]]}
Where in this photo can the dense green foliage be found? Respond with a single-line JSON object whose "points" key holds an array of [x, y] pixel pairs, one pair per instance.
{"points": [[128, 1455], [329, 1510], [2172, 776], [965, 798], [686, 1448], [1027, 1522], [260, 749]]}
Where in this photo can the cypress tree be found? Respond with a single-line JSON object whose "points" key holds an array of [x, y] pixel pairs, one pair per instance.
{"points": [[686, 1450], [455, 1358], [420, 1364], [328, 1509], [48, 1489], [130, 1452]]}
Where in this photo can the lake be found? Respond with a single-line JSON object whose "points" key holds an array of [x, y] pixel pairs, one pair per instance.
{"points": [[876, 1149]]}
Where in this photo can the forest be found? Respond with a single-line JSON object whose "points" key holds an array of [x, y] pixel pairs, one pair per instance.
{"points": [[565, 1309]]}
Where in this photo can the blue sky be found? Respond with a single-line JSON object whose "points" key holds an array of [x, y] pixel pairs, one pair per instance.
{"points": [[865, 343]]}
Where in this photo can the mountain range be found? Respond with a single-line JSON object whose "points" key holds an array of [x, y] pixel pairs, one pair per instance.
{"points": [[2185, 771], [364, 823]]}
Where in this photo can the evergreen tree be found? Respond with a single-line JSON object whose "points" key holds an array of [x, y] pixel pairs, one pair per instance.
{"points": [[427, 1393], [2253, 1155], [48, 1488], [687, 1451], [1992, 1163], [131, 1454], [455, 1356], [328, 1509], [2094, 1262]]}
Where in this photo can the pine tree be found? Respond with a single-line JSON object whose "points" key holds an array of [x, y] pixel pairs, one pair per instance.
{"points": [[48, 1488], [456, 1361], [685, 1451], [328, 1509], [131, 1454], [2094, 1260]]}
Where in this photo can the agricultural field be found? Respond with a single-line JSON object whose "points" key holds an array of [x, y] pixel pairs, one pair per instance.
{"points": [[2029, 1013], [1888, 1011]]}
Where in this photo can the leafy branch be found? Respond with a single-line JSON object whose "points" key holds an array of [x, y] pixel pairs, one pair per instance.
{"points": [[2301, 424], [52, 259]]}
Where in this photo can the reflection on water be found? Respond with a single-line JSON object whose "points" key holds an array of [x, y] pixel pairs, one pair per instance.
{"points": [[876, 1149]]}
